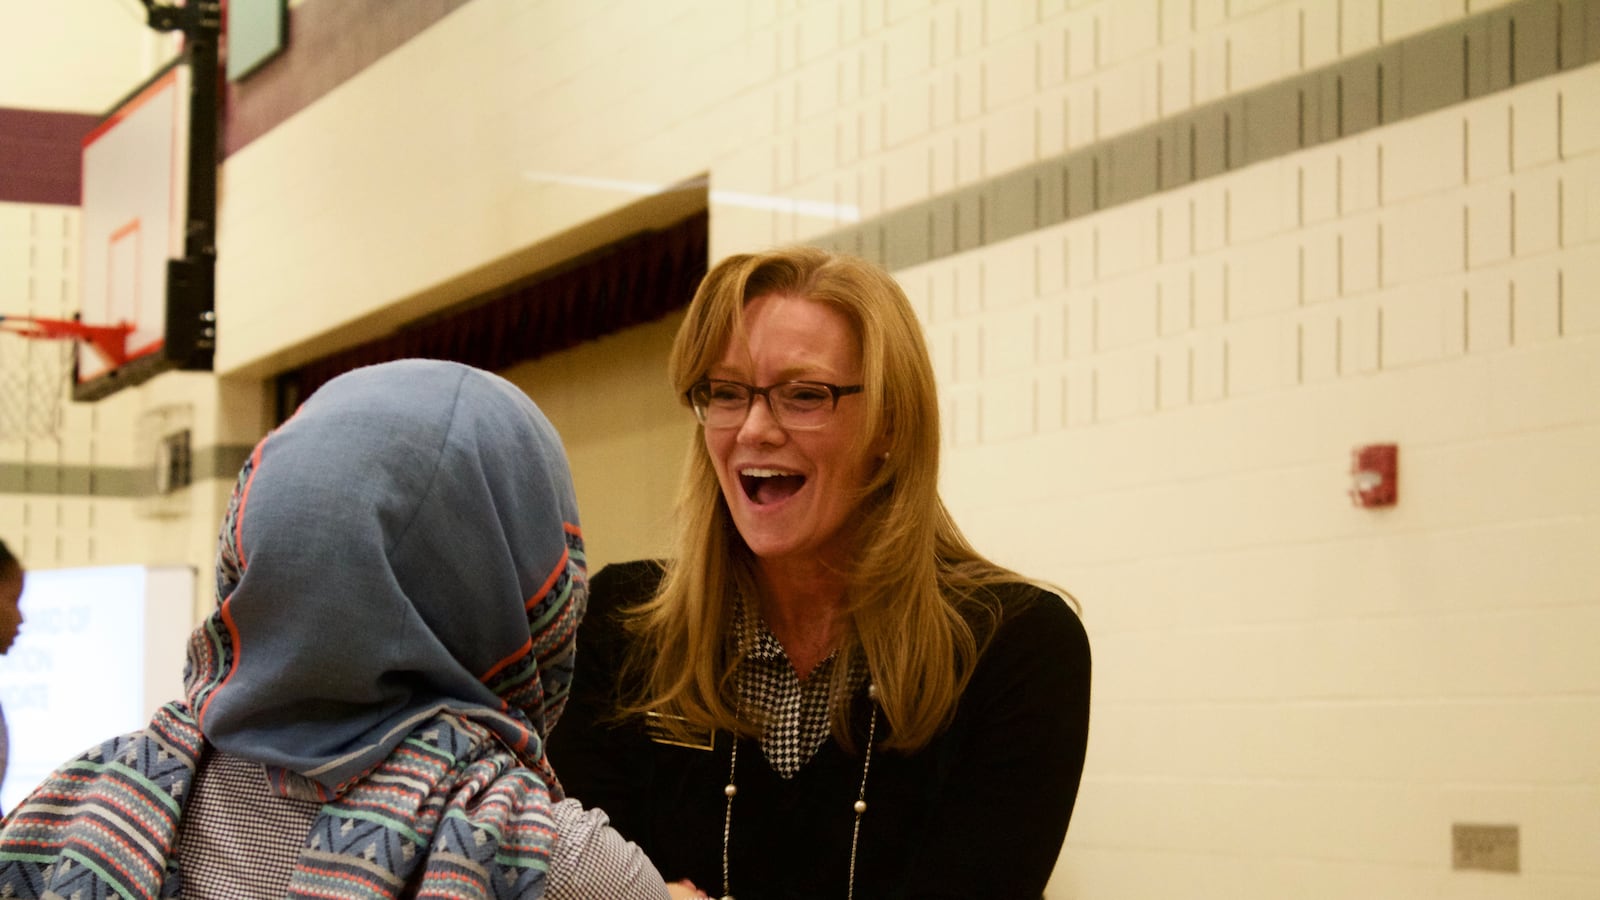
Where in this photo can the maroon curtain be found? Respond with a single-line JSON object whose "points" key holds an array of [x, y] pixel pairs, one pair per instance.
{"points": [[636, 280]]}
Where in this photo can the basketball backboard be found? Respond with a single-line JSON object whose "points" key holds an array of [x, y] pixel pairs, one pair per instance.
{"points": [[136, 184]]}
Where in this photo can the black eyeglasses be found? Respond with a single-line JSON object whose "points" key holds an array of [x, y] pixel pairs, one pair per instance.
{"points": [[796, 405]]}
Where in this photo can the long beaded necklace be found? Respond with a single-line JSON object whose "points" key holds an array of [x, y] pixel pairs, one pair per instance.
{"points": [[860, 806]]}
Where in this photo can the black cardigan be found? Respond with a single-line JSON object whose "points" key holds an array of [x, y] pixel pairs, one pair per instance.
{"points": [[981, 811]]}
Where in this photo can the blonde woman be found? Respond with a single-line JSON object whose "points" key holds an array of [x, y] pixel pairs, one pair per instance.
{"points": [[827, 692]]}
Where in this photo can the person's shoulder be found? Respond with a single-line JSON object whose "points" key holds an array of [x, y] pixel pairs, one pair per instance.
{"points": [[1031, 613]]}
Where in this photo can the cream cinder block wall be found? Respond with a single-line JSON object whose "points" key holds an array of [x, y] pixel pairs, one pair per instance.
{"points": [[625, 435], [1153, 405]]}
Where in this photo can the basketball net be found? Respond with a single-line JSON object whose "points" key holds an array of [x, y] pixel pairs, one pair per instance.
{"points": [[35, 376], [36, 357]]}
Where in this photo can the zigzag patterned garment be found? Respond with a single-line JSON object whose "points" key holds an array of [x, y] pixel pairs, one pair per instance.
{"points": [[400, 578]]}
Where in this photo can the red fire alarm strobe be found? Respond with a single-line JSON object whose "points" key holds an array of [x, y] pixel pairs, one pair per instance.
{"points": [[1374, 475]]}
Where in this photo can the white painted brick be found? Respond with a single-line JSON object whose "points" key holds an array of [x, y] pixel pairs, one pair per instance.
{"points": [[1535, 134], [1317, 187], [1256, 356], [1173, 306], [944, 163], [905, 175], [966, 415], [818, 31], [1010, 71], [1255, 201], [1125, 385], [1078, 319], [907, 49], [1413, 323], [1126, 313], [1580, 113], [1008, 409], [1174, 229], [1317, 25], [1543, 463], [1536, 303], [967, 352], [1127, 240], [1208, 286], [1051, 261], [814, 152], [1208, 367], [941, 292], [1361, 27], [1453, 308], [847, 138], [1007, 273], [1264, 278], [1317, 340], [1489, 222], [1422, 239], [1078, 394], [967, 285], [1081, 113], [1488, 313], [1401, 20], [1208, 15], [1210, 76], [1127, 98], [1052, 52], [1357, 248], [1082, 37], [1421, 157], [1580, 302], [1319, 263], [817, 90], [1175, 92], [1358, 336], [1257, 45], [1050, 401], [906, 110], [1537, 224], [1050, 123], [1130, 31], [1002, 19], [1358, 175], [1081, 262], [1580, 202], [1175, 23], [941, 22], [1209, 213], [1050, 339], [1552, 386], [971, 165], [1008, 139], [968, 88], [1488, 139], [1172, 376]]}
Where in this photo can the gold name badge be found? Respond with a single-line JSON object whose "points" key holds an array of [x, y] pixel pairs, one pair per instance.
{"points": [[678, 732]]}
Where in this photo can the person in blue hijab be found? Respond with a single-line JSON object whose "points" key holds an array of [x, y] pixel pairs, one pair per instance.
{"points": [[400, 576]]}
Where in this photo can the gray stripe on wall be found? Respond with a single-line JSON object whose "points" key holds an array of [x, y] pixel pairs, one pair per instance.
{"points": [[1467, 59], [113, 482]]}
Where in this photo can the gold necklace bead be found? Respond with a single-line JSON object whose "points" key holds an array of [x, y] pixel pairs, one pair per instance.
{"points": [[861, 807], [730, 790]]}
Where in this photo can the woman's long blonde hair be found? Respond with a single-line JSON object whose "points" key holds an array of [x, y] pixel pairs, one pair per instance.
{"points": [[915, 586]]}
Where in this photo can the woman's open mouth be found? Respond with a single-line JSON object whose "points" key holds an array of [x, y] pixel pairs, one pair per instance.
{"points": [[764, 486]]}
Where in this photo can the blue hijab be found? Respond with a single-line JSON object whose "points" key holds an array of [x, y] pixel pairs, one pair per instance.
{"points": [[400, 576]]}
